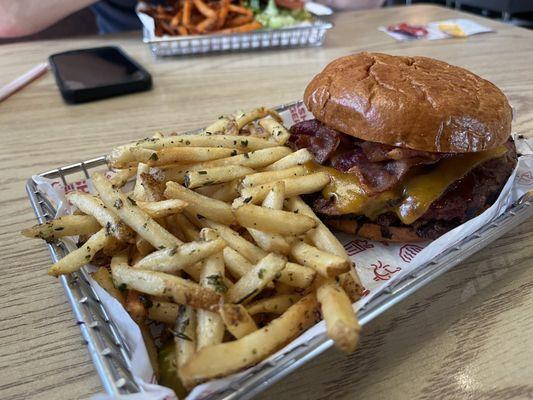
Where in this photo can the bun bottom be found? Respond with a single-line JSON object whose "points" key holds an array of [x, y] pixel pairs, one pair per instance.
{"points": [[375, 232]]}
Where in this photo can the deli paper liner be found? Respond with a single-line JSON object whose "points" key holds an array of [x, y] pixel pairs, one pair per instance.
{"points": [[378, 264]]}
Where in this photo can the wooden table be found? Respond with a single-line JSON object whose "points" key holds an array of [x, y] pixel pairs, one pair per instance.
{"points": [[467, 335]]}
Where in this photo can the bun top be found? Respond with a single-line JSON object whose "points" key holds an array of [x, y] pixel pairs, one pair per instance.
{"points": [[414, 102]]}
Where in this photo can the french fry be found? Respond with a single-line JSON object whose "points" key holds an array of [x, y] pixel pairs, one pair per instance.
{"points": [[273, 305], [254, 281], [223, 125], [122, 176], [326, 264], [138, 189], [76, 259], [323, 239], [281, 288], [337, 311], [243, 143], [321, 236], [153, 188], [209, 327], [243, 119], [293, 187], [154, 283], [124, 154], [276, 130], [204, 8], [297, 276], [163, 208], [143, 247], [253, 159], [294, 275], [132, 215], [350, 283], [215, 175], [223, 13], [226, 192], [226, 358], [274, 221], [272, 242], [215, 210], [134, 255], [207, 190], [237, 320], [175, 259], [240, 9], [135, 306], [236, 264], [275, 197], [237, 242], [239, 21], [174, 228], [67, 225], [207, 24], [189, 230], [163, 311], [182, 155], [185, 335], [299, 157], [187, 11], [92, 205], [104, 279], [271, 176]]}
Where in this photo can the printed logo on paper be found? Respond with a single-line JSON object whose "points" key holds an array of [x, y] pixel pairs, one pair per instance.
{"points": [[298, 113], [357, 246], [79, 186], [409, 251], [383, 272], [526, 178]]}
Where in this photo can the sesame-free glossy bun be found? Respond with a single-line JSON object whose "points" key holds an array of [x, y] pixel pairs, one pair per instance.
{"points": [[414, 102]]}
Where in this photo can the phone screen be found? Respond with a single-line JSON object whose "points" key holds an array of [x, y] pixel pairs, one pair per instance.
{"points": [[98, 73], [95, 68]]}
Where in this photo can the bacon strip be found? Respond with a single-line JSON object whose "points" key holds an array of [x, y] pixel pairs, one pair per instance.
{"points": [[379, 167]]}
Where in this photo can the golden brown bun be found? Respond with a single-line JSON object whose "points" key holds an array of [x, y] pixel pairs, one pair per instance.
{"points": [[414, 102], [374, 231]]}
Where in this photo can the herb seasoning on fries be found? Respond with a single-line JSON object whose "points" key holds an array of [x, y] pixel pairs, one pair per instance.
{"points": [[214, 241]]}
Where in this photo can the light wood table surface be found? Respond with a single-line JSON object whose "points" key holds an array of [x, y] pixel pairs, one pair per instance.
{"points": [[467, 335]]}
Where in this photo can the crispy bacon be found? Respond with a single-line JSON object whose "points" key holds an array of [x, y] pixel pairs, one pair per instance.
{"points": [[319, 139], [379, 167]]}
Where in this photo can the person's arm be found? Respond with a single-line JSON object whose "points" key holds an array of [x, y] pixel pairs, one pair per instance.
{"points": [[24, 17]]}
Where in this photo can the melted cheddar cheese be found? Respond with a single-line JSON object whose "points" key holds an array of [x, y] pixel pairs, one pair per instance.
{"points": [[412, 198]]}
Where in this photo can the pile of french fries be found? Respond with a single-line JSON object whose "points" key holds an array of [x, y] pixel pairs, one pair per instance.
{"points": [[197, 17], [214, 241]]}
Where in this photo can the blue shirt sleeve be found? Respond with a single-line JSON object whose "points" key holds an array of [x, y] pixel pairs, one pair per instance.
{"points": [[116, 16]]}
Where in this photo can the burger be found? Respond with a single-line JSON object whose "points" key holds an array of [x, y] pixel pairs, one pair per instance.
{"points": [[414, 146]]}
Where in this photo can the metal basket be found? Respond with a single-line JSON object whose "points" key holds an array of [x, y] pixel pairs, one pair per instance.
{"points": [[310, 35], [111, 356]]}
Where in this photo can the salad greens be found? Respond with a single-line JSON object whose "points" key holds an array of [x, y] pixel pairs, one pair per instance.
{"points": [[272, 17]]}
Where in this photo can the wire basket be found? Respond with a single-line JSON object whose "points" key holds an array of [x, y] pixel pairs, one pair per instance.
{"points": [[111, 356], [311, 35]]}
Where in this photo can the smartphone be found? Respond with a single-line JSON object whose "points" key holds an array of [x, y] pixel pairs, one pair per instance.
{"points": [[97, 73]]}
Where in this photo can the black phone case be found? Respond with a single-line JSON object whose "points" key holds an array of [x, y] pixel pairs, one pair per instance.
{"points": [[73, 96]]}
